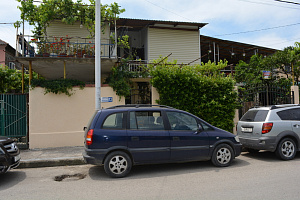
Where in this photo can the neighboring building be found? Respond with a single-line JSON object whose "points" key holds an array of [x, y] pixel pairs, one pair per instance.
{"points": [[7, 56], [68, 52]]}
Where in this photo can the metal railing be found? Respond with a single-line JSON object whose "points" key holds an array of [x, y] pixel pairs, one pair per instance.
{"points": [[66, 46]]}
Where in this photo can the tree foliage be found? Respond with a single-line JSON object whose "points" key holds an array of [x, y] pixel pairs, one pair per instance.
{"points": [[11, 80], [68, 12], [198, 89], [283, 65]]}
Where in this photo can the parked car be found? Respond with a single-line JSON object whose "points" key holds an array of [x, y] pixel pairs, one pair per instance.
{"points": [[9, 154], [273, 128], [122, 136]]}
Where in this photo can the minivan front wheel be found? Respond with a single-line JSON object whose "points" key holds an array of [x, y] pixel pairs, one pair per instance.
{"points": [[117, 164], [286, 149], [222, 155]]}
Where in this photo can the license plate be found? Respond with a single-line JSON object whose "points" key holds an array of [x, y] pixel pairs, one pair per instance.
{"points": [[17, 158], [248, 130]]}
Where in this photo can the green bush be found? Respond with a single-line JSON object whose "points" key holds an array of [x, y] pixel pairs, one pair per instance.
{"points": [[57, 86], [200, 90]]}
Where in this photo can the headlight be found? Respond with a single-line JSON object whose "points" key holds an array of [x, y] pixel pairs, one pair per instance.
{"points": [[237, 138]]}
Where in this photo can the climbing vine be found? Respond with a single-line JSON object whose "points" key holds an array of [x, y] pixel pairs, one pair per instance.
{"points": [[41, 15], [58, 86]]}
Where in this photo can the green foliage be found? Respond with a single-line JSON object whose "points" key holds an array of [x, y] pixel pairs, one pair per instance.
{"points": [[285, 62], [120, 77], [58, 86], [68, 12], [200, 90], [11, 80]]}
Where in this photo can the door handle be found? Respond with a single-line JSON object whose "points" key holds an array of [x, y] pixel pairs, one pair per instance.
{"points": [[296, 125]]}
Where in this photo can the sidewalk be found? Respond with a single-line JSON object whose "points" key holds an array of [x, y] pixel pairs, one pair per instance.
{"points": [[51, 157]]}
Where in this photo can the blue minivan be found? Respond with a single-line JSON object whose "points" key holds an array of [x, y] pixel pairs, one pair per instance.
{"points": [[122, 136]]}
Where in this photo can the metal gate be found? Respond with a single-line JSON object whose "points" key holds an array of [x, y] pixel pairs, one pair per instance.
{"points": [[14, 117], [264, 95]]}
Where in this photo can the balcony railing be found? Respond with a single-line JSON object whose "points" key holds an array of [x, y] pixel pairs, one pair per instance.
{"points": [[76, 47]]}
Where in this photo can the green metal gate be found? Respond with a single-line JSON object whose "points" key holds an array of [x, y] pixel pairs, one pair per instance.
{"points": [[14, 117]]}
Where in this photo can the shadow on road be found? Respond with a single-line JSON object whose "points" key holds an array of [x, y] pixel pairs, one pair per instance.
{"points": [[160, 170], [266, 156], [11, 178]]}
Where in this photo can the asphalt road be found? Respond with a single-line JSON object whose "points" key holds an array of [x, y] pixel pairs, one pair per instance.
{"points": [[260, 176]]}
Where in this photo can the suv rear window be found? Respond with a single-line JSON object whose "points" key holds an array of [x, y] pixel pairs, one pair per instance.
{"points": [[255, 116]]}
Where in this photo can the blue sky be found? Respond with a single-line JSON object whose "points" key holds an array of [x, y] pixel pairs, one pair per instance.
{"points": [[267, 23]]}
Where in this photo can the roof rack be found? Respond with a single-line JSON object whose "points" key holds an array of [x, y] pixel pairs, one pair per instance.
{"points": [[283, 105], [138, 106]]}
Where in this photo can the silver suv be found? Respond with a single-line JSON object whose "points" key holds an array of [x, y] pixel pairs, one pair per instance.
{"points": [[273, 128]]}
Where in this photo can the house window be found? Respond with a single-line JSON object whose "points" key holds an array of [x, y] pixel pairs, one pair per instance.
{"points": [[11, 65]]}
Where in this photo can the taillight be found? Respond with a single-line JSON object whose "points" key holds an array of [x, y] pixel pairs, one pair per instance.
{"points": [[266, 128], [89, 137]]}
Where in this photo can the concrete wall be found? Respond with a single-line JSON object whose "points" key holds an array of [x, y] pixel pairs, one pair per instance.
{"points": [[58, 120]]}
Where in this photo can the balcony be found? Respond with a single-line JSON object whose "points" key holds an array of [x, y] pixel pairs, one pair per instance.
{"points": [[65, 57], [74, 47]]}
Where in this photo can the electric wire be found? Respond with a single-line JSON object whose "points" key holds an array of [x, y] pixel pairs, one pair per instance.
{"points": [[269, 4], [264, 29], [288, 2]]}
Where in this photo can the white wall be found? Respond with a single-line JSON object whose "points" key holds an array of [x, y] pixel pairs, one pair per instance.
{"points": [[183, 44], [58, 120]]}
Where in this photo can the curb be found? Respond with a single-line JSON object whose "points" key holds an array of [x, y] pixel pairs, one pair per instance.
{"points": [[53, 162]]}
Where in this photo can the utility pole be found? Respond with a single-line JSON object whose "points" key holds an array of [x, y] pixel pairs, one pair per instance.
{"points": [[98, 55]]}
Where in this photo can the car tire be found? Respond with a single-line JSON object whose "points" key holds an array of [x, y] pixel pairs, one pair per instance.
{"points": [[117, 164], [222, 155], [286, 149]]}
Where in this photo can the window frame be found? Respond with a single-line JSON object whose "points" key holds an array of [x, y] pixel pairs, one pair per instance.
{"points": [[123, 121]]}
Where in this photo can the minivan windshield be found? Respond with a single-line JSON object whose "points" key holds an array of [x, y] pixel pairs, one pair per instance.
{"points": [[255, 116]]}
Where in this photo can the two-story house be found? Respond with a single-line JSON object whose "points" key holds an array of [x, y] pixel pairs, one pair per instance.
{"points": [[68, 52]]}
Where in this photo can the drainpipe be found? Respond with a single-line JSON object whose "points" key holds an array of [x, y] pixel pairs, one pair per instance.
{"points": [[200, 46]]}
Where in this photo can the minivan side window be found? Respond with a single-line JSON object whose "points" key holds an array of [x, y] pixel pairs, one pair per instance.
{"points": [[146, 120], [290, 114], [113, 121], [182, 121]]}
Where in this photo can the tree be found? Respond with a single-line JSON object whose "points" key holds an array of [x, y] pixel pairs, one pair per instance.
{"points": [[11, 80], [68, 12], [286, 62]]}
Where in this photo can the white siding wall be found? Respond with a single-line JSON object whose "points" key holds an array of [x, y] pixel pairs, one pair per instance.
{"points": [[79, 37], [60, 29], [184, 45]]}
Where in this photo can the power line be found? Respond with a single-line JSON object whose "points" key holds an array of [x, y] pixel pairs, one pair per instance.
{"points": [[168, 10], [288, 2], [269, 4], [264, 29]]}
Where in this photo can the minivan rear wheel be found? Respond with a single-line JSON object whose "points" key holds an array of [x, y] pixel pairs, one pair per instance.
{"points": [[222, 155], [286, 149], [117, 164]]}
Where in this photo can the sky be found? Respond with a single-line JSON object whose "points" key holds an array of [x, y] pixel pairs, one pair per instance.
{"points": [[267, 23]]}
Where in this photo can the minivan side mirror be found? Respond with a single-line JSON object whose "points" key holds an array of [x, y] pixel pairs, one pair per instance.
{"points": [[199, 130]]}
